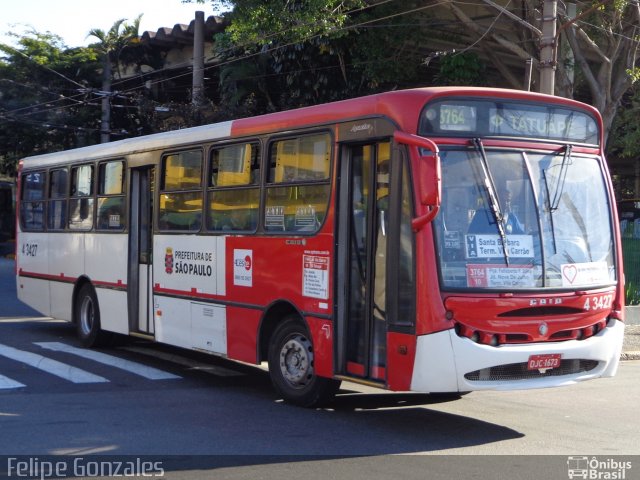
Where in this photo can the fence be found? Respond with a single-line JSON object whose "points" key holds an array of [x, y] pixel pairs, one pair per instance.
{"points": [[631, 259]]}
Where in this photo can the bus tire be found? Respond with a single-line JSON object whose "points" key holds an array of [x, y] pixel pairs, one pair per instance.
{"points": [[87, 315], [291, 366]]}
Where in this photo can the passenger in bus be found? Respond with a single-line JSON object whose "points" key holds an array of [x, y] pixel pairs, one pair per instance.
{"points": [[235, 220], [484, 220]]}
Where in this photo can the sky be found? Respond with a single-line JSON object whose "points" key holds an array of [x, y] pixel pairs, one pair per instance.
{"points": [[72, 19]]}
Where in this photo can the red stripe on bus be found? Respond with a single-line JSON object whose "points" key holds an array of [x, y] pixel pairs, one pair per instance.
{"points": [[66, 279]]}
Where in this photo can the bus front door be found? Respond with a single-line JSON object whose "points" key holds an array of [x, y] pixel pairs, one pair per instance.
{"points": [[362, 245], [139, 283]]}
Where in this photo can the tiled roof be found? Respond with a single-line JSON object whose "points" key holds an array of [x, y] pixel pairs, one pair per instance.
{"points": [[182, 34]]}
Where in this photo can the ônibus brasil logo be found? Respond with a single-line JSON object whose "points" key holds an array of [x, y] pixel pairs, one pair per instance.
{"points": [[597, 469]]}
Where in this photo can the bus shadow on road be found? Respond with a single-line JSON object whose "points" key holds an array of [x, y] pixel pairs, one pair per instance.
{"points": [[350, 400], [411, 423]]}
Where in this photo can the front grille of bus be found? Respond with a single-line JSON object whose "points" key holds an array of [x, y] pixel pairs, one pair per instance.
{"points": [[519, 371], [496, 339]]}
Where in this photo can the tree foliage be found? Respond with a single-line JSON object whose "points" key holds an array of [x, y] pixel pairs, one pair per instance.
{"points": [[111, 43], [464, 68], [597, 64], [43, 97], [289, 21], [110, 46], [596, 48], [606, 50], [281, 54], [350, 54]]}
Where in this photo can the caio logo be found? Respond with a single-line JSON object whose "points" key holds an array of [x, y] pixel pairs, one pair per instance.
{"points": [[168, 260]]}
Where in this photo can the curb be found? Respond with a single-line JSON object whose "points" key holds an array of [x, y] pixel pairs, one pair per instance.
{"points": [[630, 356]]}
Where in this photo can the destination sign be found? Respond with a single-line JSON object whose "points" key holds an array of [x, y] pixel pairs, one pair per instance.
{"points": [[456, 117], [485, 117], [536, 122]]}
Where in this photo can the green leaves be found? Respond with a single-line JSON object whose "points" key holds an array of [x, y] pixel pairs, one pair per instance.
{"points": [[287, 21], [463, 68]]}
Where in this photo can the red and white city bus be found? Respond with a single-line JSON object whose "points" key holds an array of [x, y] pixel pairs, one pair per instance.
{"points": [[428, 240]]}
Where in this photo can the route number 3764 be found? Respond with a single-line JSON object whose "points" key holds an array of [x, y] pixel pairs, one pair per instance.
{"points": [[600, 302]]}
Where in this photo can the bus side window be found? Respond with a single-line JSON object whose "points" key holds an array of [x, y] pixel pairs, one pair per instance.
{"points": [[234, 188], [57, 204], [298, 184], [81, 201], [111, 200], [32, 208], [181, 191]]}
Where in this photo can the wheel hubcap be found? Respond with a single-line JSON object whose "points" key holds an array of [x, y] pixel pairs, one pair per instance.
{"points": [[86, 315], [296, 361]]}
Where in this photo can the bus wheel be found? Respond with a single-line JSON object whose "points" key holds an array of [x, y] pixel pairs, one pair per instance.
{"points": [[87, 316], [291, 366]]}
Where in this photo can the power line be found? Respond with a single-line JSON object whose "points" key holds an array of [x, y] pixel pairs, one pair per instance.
{"points": [[485, 33], [364, 24], [237, 59], [43, 66], [310, 37]]}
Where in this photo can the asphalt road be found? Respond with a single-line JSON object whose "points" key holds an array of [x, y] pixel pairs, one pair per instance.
{"points": [[10, 306], [218, 416]]}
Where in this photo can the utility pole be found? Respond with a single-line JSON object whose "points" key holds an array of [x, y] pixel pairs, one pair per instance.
{"points": [[197, 93], [548, 51], [105, 124]]}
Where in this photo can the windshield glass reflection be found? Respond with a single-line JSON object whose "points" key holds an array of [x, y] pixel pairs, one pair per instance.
{"points": [[515, 220]]}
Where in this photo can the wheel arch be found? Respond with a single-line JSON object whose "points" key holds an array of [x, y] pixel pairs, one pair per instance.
{"points": [[273, 315], [80, 282]]}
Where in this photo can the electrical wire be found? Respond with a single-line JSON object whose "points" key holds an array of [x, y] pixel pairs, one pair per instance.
{"points": [[238, 59], [126, 92]]}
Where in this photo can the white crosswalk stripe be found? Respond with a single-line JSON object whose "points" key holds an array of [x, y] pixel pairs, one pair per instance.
{"points": [[116, 362], [7, 383], [59, 369]]}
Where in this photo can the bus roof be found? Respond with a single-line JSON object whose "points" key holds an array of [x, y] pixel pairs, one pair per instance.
{"points": [[402, 106]]}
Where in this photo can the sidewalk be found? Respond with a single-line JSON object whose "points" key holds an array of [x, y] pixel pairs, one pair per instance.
{"points": [[631, 345]]}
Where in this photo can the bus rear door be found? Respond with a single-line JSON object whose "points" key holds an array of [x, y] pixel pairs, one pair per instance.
{"points": [[140, 281]]}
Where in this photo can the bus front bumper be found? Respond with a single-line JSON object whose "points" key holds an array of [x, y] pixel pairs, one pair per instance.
{"points": [[445, 362]]}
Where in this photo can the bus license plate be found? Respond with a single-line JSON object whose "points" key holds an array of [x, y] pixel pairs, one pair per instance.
{"points": [[544, 362]]}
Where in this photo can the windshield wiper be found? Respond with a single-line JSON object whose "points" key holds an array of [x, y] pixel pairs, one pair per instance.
{"points": [[554, 202], [494, 203]]}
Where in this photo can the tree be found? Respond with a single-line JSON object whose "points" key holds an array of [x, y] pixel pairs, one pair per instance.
{"points": [[606, 49], [289, 21], [596, 48], [288, 58], [44, 97], [110, 46], [598, 63]]}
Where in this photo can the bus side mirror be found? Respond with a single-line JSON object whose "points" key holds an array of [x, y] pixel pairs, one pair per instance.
{"points": [[429, 177]]}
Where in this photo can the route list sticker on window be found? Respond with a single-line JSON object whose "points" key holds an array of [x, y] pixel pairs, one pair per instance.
{"points": [[498, 276], [315, 275]]}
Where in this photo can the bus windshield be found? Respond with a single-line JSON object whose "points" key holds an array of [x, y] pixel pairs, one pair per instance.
{"points": [[517, 220]]}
